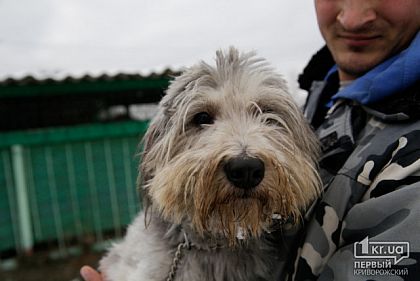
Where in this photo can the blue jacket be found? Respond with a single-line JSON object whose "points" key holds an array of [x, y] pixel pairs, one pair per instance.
{"points": [[392, 76]]}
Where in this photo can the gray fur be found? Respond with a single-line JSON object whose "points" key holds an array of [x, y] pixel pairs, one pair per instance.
{"points": [[187, 192]]}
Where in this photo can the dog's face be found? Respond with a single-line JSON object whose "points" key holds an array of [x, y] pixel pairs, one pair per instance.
{"points": [[229, 149]]}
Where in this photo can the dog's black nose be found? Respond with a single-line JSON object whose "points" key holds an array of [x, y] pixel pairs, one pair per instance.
{"points": [[244, 172]]}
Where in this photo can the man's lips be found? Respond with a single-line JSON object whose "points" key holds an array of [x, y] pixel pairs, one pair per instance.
{"points": [[358, 40]]}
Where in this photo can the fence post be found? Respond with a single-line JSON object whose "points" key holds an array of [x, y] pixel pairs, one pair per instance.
{"points": [[24, 215]]}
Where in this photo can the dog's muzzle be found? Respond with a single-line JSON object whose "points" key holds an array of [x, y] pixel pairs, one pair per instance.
{"points": [[244, 172]]}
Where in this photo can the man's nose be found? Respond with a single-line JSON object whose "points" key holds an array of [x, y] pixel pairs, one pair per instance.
{"points": [[356, 14]]}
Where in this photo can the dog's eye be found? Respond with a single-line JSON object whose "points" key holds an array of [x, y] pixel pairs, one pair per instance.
{"points": [[271, 122], [203, 118]]}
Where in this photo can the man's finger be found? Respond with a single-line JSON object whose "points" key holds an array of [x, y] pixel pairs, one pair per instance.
{"points": [[89, 274]]}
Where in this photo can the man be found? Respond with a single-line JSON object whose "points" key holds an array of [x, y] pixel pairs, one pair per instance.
{"points": [[364, 103]]}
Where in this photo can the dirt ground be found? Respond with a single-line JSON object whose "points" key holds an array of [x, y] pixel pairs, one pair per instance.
{"points": [[42, 268]]}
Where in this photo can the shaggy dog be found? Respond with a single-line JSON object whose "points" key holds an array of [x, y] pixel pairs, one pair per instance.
{"points": [[228, 162]]}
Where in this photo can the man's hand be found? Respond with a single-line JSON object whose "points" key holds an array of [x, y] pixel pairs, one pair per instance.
{"points": [[89, 274]]}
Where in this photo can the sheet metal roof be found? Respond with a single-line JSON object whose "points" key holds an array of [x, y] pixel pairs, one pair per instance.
{"points": [[32, 85], [85, 77]]}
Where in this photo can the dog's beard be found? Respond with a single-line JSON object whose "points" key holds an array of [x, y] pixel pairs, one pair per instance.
{"points": [[193, 189]]}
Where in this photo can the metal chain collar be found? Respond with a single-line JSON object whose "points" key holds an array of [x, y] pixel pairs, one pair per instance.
{"points": [[187, 245], [177, 257]]}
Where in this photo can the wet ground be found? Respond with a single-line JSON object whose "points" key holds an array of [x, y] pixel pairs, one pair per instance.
{"points": [[39, 267]]}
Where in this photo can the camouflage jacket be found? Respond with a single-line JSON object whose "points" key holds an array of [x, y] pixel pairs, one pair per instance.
{"points": [[366, 225]]}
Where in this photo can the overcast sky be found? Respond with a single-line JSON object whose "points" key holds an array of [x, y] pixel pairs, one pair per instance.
{"points": [[75, 37]]}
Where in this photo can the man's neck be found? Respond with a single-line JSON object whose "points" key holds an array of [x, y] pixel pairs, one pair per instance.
{"points": [[344, 84], [346, 76]]}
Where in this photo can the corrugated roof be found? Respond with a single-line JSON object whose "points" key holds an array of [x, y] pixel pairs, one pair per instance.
{"points": [[86, 77]]}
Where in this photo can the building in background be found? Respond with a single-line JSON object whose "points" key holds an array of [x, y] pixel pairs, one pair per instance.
{"points": [[68, 158]]}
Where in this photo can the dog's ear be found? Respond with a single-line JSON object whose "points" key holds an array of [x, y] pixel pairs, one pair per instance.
{"points": [[153, 135], [157, 129], [145, 173], [159, 126], [162, 122]]}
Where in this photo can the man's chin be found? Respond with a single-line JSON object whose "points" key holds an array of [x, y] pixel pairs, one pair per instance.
{"points": [[353, 65]]}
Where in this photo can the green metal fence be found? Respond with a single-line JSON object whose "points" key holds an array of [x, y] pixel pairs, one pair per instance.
{"points": [[67, 183]]}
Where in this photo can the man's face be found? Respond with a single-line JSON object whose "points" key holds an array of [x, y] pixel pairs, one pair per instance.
{"points": [[362, 33]]}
